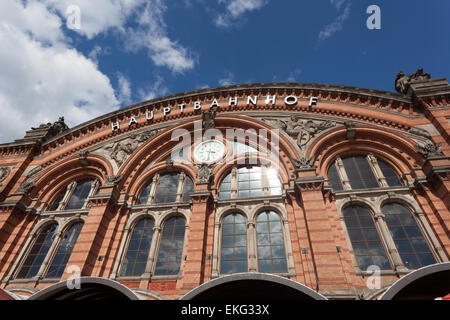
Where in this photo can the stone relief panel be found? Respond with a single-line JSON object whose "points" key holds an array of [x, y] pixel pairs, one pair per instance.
{"points": [[119, 151], [4, 173], [302, 131]]}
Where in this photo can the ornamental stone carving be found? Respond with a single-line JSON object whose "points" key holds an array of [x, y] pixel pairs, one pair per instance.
{"points": [[204, 173], [303, 163], [28, 184], [403, 82], [430, 150], [113, 180], [301, 130], [121, 150], [208, 119], [4, 173]]}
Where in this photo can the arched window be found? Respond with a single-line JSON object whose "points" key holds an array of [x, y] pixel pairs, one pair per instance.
{"points": [[170, 187], [138, 248], [225, 188], [234, 244], [391, 177], [365, 239], [65, 249], [167, 188], [408, 238], [145, 193], [171, 247], [359, 173], [74, 196], [38, 252], [188, 188], [333, 178], [270, 243], [248, 182]]}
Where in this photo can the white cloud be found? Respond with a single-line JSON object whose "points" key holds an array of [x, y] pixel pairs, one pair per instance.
{"points": [[235, 9], [227, 80], [124, 89], [42, 77], [157, 89], [337, 24], [152, 35], [98, 16]]}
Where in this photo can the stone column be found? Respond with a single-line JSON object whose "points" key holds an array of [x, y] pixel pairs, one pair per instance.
{"points": [[216, 252], [251, 240]]}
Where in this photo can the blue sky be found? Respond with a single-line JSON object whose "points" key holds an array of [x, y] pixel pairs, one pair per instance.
{"points": [[127, 51]]}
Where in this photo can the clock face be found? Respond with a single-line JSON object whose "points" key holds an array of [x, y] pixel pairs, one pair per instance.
{"points": [[209, 151]]}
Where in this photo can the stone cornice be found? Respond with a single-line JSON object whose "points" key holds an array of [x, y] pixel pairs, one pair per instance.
{"points": [[341, 93]]}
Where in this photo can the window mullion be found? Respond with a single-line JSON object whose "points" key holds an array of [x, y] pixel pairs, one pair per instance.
{"points": [[234, 183], [373, 163], [152, 193], [251, 240], [151, 254], [94, 187], [69, 191], [180, 188], [342, 174]]}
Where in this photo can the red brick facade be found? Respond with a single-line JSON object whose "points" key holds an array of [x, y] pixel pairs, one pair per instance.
{"points": [[392, 127]]}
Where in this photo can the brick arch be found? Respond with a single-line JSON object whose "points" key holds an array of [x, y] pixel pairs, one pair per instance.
{"points": [[393, 148], [158, 147], [55, 178]]}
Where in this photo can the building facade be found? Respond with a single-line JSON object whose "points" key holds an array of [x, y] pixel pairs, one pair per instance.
{"points": [[273, 190]]}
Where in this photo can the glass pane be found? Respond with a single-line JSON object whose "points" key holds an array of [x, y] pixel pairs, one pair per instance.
{"points": [[359, 173], [138, 248], [234, 244], [80, 195], [167, 188], [169, 259], [57, 200], [365, 239], [333, 178], [389, 173], [270, 243], [188, 188], [38, 252], [145, 193], [407, 236]]}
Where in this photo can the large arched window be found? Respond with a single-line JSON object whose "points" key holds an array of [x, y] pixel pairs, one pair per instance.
{"points": [[366, 243], [75, 195], [270, 243], [361, 172], [171, 247], [167, 188], [64, 251], [248, 182], [234, 244], [38, 252], [136, 255], [170, 187], [408, 238]]}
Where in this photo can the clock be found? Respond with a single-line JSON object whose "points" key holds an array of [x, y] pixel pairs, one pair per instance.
{"points": [[209, 151]]}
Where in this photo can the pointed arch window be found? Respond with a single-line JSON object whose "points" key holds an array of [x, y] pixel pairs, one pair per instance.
{"points": [[270, 243], [38, 252], [136, 255], [408, 238], [171, 247], [64, 251], [366, 242], [234, 244]]}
